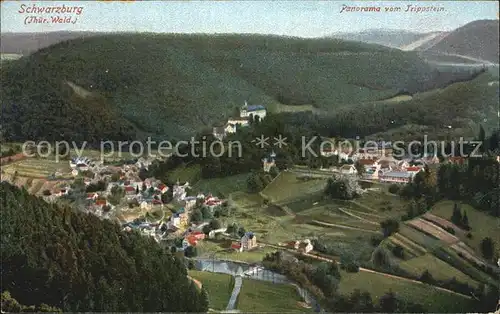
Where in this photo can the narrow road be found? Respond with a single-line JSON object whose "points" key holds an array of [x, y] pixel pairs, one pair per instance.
{"points": [[238, 281], [389, 275], [364, 206], [327, 224], [321, 258], [357, 217]]}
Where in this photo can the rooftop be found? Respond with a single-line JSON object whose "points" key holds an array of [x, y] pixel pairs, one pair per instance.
{"points": [[255, 108], [397, 174]]}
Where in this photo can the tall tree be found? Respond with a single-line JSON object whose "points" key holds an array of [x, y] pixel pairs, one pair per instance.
{"points": [[482, 139], [487, 248], [456, 217], [388, 302]]}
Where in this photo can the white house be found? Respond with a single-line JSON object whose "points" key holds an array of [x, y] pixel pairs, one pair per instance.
{"points": [[230, 128], [248, 241], [252, 111], [305, 246], [268, 163], [179, 191], [80, 162], [189, 202], [238, 121], [396, 177], [145, 205], [348, 169]]}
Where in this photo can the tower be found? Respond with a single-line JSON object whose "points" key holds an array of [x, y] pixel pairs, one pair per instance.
{"points": [[244, 110]]}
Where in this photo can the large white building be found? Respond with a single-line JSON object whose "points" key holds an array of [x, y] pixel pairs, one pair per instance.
{"points": [[254, 110]]}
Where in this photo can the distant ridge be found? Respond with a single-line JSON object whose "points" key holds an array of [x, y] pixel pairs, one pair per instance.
{"points": [[27, 43], [385, 37], [478, 39]]}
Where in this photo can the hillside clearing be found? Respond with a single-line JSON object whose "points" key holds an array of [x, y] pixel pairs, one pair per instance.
{"points": [[218, 287], [266, 297], [437, 268]]}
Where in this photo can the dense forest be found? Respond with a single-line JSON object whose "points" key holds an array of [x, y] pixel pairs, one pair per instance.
{"points": [[53, 257], [174, 85]]}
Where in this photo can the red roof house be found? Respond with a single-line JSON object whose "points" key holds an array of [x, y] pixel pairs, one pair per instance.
{"points": [[236, 246], [129, 190], [413, 169], [198, 235]]}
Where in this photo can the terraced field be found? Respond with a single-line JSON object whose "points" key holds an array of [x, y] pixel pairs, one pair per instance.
{"points": [[433, 230], [419, 238], [38, 168], [410, 246]]}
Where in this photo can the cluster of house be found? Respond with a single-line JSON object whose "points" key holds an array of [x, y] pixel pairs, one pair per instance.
{"points": [[387, 169], [179, 220], [380, 165], [247, 113], [304, 246], [145, 193], [153, 229]]}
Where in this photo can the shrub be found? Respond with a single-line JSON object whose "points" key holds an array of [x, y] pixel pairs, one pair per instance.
{"points": [[394, 189], [375, 240], [389, 227], [469, 235], [450, 230], [46, 192], [398, 251], [381, 259], [426, 277]]}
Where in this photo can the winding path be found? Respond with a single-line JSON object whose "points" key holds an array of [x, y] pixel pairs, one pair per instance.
{"points": [[238, 282]]}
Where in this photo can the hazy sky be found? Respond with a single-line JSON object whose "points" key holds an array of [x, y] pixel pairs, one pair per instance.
{"points": [[293, 18]]}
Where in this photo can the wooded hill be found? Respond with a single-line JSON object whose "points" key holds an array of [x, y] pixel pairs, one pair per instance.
{"points": [[118, 86], [79, 263]]}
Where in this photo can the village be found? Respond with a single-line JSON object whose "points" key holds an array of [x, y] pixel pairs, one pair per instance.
{"points": [[378, 164]]}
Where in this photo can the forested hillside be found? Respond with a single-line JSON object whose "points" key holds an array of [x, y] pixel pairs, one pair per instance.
{"points": [[173, 85], [452, 112], [78, 263]]}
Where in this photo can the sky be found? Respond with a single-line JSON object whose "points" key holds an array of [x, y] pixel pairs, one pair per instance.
{"points": [[291, 18]]}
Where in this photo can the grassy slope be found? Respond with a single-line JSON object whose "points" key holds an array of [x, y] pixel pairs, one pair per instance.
{"points": [[223, 186], [261, 296], [176, 84], [438, 269], [190, 173], [218, 287], [377, 285], [287, 186]]}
